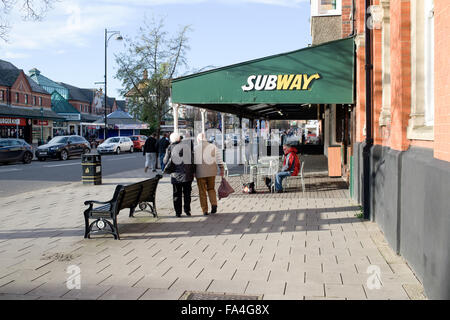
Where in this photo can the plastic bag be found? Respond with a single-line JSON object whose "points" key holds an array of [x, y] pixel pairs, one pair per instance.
{"points": [[225, 189]]}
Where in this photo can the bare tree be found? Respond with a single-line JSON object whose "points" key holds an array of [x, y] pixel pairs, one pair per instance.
{"points": [[147, 67], [34, 10]]}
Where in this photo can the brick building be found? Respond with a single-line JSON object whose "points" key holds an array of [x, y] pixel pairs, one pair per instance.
{"points": [[25, 107], [410, 157]]}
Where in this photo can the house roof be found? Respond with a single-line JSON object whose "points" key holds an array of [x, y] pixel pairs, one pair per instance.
{"points": [[61, 105], [28, 112], [121, 104], [119, 115], [9, 74], [79, 94], [49, 85]]}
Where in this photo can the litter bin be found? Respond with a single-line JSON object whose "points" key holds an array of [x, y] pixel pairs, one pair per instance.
{"points": [[91, 165]]}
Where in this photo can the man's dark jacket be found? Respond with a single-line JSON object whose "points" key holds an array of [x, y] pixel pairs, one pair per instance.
{"points": [[150, 146], [162, 145]]}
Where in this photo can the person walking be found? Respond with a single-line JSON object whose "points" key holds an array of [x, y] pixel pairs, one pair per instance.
{"points": [[207, 159], [150, 152], [182, 174], [162, 146]]}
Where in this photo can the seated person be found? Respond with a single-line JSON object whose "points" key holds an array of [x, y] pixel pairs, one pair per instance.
{"points": [[291, 167]]}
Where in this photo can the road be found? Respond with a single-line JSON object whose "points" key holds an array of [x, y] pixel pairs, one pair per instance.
{"points": [[16, 178]]}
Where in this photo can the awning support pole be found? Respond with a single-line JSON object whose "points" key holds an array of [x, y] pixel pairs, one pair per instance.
{"points": [[203, 112], [175, 117], [223, 135]]}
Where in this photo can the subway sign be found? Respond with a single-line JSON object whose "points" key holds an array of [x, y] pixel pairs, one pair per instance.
{"points": [[280, 82]]}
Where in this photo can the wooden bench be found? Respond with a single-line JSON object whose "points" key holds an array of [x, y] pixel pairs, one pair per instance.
{"points": [[140, 194]]}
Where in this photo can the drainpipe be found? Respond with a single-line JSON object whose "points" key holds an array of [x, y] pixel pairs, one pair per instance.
{"points": [[369, 140]]}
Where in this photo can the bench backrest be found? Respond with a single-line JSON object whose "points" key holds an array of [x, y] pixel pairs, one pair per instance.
{"points": [[149, 191], [131, 195]]}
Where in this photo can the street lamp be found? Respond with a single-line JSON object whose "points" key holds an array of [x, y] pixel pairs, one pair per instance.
{"points": [[42, 125], [118, 37]]}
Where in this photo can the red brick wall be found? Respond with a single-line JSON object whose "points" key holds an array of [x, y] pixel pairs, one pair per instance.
{"points": [[400, 73], [22, 87], [346, 18], [442, 80]]}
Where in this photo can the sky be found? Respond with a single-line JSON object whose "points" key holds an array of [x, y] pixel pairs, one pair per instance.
{"points": [[68, 44]]}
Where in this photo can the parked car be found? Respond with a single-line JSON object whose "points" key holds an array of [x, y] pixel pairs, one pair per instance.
{"points": [[13, 150], [138, 142], [63, 147], [116, 145]]}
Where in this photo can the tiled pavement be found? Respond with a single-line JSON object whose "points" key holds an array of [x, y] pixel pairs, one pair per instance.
{"points": [[278, 246]]}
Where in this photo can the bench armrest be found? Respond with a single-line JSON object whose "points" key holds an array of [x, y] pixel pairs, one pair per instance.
{"points": [[90, 202]]}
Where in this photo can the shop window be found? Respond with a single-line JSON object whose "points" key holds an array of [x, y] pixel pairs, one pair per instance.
{"points": [[326, 8], [421, 122]]}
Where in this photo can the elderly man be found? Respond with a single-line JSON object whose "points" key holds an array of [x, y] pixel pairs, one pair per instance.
{"points": [[207, 159], [291, 167]]}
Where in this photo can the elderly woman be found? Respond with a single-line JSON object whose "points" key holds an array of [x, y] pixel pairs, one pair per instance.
{"points": [[207, 159], [183, 174]]}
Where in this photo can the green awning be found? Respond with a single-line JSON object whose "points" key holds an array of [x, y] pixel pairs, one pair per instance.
{"points": [[279, 84]]}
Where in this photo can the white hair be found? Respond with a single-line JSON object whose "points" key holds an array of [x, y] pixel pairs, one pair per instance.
{"points": [[174, 137], [201, 137]]}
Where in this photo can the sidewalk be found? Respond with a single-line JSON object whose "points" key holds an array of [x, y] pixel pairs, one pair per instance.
{"points": [[273, 246]]}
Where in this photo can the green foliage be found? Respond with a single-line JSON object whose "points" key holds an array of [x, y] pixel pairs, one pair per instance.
{"points": [[146, 68], [360, 215]]}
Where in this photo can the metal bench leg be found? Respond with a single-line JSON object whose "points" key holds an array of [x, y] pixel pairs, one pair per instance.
{"points": [[86, 224]]}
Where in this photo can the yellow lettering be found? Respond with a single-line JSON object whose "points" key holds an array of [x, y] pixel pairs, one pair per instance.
{"points": [[307, 80], [284, 81], [297, 83]]}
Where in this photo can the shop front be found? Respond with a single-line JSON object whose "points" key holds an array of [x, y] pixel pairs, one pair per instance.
{"points": [[42, 131], [15, 128]]}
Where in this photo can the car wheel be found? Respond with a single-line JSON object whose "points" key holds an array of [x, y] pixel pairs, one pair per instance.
{"points": [[41, 159], [118, 151], [27, 157], [64, 156], [131, 150]]}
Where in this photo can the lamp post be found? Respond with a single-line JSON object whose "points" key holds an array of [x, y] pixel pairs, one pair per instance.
{"points": [[42, 125], [119, 37]]}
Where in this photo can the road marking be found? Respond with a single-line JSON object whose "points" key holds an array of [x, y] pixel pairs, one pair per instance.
{"points": [[10, 170], [62, 165], [120, 159]]}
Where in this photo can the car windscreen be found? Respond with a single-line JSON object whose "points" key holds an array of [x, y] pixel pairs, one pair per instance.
{"points": [[59, 140], [112, 140], [5, 143]]}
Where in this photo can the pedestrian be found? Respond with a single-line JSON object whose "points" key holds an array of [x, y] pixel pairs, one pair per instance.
{"points": [[207, 160], [180, 154], [291, 167], [150, 153], [162, 146]]}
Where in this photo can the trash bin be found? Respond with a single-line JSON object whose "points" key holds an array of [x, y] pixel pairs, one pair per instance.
{"points": [[91, 165]]}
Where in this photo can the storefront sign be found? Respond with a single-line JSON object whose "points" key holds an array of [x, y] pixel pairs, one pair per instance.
{"points": [[280, 82], [12, 122], [131, 126], [41, 122]]}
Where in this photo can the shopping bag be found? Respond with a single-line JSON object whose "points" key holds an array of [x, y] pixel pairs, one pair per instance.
{"points": [[225, 189]]}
